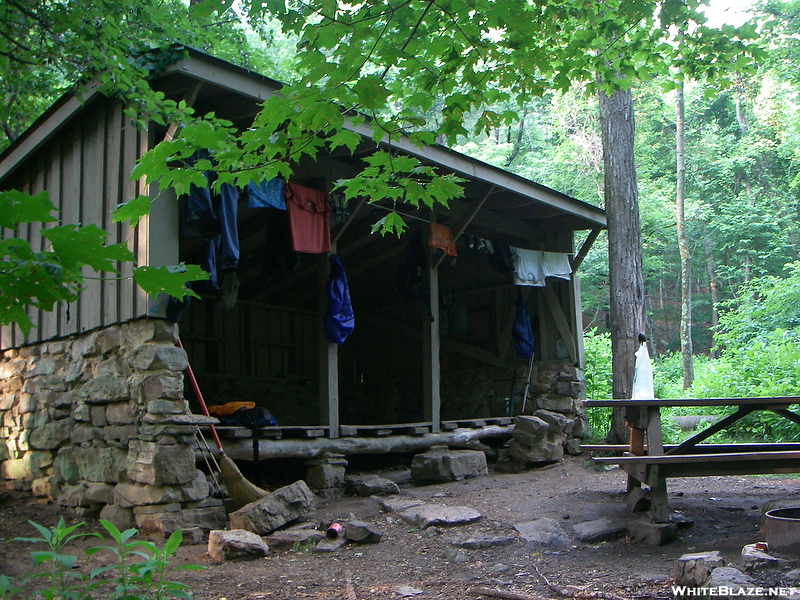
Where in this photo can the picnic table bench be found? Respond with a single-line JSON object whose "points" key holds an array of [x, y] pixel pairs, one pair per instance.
{"points": [[653, 463]]}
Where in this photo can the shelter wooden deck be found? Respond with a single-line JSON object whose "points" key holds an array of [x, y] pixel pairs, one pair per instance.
{"points": [[243, 443]]}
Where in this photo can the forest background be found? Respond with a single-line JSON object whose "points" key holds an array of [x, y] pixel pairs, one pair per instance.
{"points": [[742, 194]]}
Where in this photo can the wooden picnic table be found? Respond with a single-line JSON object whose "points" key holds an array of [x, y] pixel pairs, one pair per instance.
{"points": [[653, 463]]}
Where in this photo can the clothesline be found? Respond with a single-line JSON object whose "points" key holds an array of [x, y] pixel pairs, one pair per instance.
{"points": [[410, 216]]}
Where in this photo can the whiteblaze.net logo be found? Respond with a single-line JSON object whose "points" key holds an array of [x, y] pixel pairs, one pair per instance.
{"points": [[682, 591]]}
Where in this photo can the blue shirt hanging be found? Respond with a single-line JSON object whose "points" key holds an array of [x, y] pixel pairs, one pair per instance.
{"points": [[339, 320], [265, 194], [522, 332]]}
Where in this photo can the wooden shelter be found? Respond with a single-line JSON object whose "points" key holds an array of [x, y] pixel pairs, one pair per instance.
{"points": [[407, 362]]}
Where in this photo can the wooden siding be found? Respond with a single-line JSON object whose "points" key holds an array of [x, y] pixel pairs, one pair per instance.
{"points": [[86, 168]]}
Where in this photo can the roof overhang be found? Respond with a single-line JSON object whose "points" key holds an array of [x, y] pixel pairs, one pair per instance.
{"points": [[512, 196]]}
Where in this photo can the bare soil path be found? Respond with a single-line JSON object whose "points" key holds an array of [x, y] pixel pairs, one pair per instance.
{"points": [[725, 511]]}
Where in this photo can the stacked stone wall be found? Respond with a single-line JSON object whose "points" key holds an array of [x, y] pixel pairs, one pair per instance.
{"points": [[98, 423], [553, 401]]}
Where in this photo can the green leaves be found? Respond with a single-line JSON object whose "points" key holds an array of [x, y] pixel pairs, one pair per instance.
{"points": [[391, 223], [77, 246], [132, 210], [402, 179], [168, 280], [17, 207]]}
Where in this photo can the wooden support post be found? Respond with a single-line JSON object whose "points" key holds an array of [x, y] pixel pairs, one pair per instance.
{"points": [[636, 447], [658, 485], [328, 358], [561, 321], [431, 384]]}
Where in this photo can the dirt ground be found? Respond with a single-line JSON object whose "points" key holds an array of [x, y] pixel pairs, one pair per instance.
{"points": [[725, 512]]}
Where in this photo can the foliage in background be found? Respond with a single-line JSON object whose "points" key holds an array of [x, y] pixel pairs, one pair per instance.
{"points": [[597, 346], [140, 568]]}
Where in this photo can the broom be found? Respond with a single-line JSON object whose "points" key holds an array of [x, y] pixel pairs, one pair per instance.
{"points": [[240, 490]]}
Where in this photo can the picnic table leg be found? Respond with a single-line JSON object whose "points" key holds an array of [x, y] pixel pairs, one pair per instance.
{"points": [[637, 448], [659, 508], [658, 485]]}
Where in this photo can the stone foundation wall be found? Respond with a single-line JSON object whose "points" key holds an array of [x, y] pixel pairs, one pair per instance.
{"points": [[555, 388], [98, 422]]}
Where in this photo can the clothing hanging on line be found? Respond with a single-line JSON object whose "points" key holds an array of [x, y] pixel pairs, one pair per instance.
{"points": [[441, 236], [339, 321], [265, 194], [531, 267], [308, 218]]}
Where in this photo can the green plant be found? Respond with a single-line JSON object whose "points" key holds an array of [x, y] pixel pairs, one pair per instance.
{"points": [[141, 567], [305, 547], [144, 578], [63, 582], [597, 347]]}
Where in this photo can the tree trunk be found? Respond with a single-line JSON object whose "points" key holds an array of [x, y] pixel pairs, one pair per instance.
{"points": [[744, 127], [683, 248], [624, 246], [714, 285]]}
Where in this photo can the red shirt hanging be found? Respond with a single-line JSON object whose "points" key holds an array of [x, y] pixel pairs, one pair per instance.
{"points": [[308, 219]]}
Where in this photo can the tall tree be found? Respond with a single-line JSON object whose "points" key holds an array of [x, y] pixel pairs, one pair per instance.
{"points": [[683, 246], [624, 245]]}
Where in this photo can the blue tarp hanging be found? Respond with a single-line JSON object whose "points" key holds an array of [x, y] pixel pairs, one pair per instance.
{"points": [[522, 332], [339, 320]]}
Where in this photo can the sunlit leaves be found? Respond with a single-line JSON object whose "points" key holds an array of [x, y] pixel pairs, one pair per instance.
{"points": [[77, 246], [133, 210], [169, 280], [17, 207], [392, 179], [391, 223]]}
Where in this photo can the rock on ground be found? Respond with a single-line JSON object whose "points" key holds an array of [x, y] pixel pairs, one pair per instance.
{"points": [[235, 544]]}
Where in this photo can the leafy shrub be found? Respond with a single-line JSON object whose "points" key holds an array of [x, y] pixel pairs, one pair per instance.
{"points": [[140, 568], [597, 347]]}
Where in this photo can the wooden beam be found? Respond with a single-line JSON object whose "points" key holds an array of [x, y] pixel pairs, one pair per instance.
{"points": [[173, 127], [242, 449], [489, 220], [466, 219], [328, 357], [561, 322], [431, 352], [337, 233], [587, 245]]}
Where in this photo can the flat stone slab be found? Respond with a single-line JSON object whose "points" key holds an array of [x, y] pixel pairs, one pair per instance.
{"points": [[547, 532], [756, 558], [600, 530], [370, 485], [425, 515], [327, 545], [286, 539], [395, 504], [483, 542]]}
